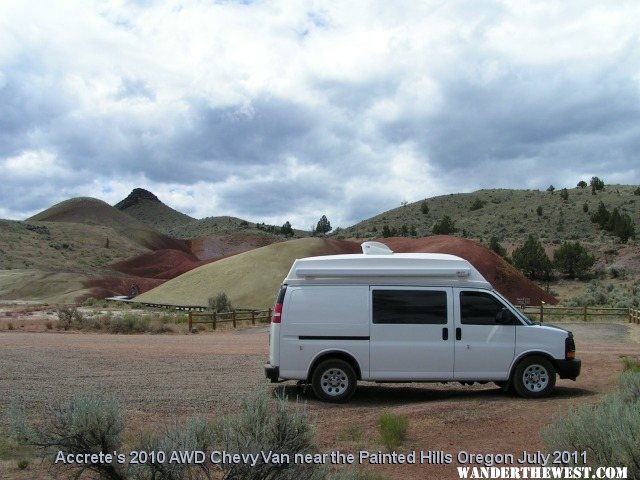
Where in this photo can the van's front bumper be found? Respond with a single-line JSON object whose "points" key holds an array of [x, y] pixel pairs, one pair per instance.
{"points": [[271, 372], [568, 368]]}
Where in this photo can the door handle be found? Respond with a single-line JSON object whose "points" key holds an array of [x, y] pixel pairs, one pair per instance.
{"points": [[445, 333], [458, 333]]}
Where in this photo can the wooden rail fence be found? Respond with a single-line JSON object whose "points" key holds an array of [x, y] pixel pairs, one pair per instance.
{"points": [[583, 313], [235, 316]]}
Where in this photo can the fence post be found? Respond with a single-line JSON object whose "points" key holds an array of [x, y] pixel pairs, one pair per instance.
{"points": [[584, 317], [190, 322], [269, 313], [541, 312], [253, 317], [215, 315], [233, 317]]}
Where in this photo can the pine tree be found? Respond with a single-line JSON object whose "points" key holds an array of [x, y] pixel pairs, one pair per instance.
{"points": [[532, 259], [323, 226], [444, 226], [573, 259]]}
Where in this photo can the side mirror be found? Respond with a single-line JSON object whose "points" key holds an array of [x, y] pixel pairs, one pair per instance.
{"points": [[504, 317]]}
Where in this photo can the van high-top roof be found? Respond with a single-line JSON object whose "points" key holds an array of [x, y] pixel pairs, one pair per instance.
{"points": [[379, 265]]}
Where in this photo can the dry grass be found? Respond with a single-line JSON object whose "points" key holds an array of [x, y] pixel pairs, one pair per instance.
{"points": [[62, 246]]}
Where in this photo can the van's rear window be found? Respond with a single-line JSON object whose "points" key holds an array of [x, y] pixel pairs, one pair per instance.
{"points": [[410, 307]]}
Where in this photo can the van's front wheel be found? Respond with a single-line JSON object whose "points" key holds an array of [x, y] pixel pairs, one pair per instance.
{"points": [[334, 381], [534, 377]]}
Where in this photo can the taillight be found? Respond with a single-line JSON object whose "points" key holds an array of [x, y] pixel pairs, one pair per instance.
{"points": [[569, 347], [277, 313]]}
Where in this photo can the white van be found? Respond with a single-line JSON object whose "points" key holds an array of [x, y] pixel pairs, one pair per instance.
{"points": [[414, 317]]}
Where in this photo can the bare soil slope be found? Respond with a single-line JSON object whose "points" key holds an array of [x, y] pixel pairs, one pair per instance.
{"points": [[501, 274], [158, 264], [217, 246], [250, 279]]}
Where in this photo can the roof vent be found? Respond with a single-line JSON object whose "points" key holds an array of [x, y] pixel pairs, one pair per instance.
{"points": [[375, 248]]}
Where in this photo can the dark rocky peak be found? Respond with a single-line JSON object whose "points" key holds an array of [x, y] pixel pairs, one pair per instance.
{"points": [[136, 196]]}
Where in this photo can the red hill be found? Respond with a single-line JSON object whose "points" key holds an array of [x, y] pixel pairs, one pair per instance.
{"points": [[501, 274]]}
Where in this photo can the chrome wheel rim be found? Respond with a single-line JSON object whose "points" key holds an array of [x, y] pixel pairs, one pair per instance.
{"points": [[535, 378], [334, 382]]}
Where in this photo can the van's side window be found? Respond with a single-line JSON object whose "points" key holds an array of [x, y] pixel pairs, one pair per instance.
{"points": [[478, 308], [410, 307]]}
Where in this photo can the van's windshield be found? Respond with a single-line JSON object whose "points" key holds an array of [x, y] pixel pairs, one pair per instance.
{"points": [[516, 310]]}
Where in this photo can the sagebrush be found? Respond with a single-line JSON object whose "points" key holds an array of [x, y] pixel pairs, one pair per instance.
{"points": [[609, 431], [95, 422]]}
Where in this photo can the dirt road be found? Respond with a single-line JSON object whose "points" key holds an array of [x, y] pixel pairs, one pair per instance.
{"points": [[160, 377]]}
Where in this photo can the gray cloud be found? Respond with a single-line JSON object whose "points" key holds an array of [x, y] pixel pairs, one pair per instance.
{"points": [[275, 113]]}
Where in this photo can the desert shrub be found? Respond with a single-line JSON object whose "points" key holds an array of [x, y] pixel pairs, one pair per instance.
{"points": [[266, 424], [477, 204], [597, 294], [23, 464], [128, 324], [49, 325], [444, 226], [393, 429], [90, 423], [220, 303], [609, 432], [10, 326], [69, 316], [618, 272], [631, 364], [494, 244], [424, 207]]}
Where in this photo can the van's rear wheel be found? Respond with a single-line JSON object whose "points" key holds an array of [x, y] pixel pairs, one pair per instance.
{"points": [[534, 377], [334, 381]]}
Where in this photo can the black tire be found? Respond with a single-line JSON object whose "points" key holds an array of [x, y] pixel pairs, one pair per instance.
{"points": [[534, 377], [334, 381], [504, 385]]}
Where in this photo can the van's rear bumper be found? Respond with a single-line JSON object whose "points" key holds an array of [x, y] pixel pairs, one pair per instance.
{"points": [[271, 372], [568, 368]]}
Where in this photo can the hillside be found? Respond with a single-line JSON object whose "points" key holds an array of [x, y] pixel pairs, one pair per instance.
{"points": [[225, 225], [507, 279], [65, 246], [250, 279], [91, 211], [148, 209], [510, 215]]}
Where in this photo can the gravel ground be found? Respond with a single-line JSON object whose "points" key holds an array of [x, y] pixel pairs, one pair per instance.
{"points": [[164, 376]]}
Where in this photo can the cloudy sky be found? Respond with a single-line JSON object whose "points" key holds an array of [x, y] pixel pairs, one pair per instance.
{"points": [[286, 110]]}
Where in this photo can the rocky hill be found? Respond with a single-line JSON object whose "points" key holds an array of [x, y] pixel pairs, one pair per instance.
{"points": [[144, 206], [509, 215]]}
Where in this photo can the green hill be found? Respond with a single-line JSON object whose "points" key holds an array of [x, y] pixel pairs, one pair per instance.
{"points": [[147, 208], [510, 215]]}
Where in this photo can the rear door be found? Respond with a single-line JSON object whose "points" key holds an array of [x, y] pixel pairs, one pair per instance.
{"points": [[411, 333], [484, 348]]}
